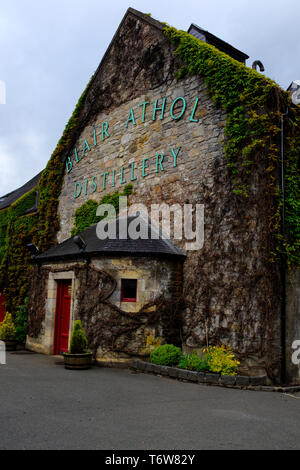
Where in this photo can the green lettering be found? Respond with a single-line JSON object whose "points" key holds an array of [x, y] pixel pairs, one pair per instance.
{"points": [[105, 126], [131, 118], [95, 137], [76, 156], [159, 160], [69, 164], [123, 181], [76, 193], [86, 147], [145, 166], [175, 155], [132, 172], [104, 178], [194, 110], [144, 109], [95, 183], [162, 109], [183, 108]]}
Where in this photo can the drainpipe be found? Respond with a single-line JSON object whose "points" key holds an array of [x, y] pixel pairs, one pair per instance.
{"points": [[283, 262]]}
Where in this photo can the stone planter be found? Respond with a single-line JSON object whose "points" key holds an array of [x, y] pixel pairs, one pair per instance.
{"points": [[78, 361], [11, 344]]}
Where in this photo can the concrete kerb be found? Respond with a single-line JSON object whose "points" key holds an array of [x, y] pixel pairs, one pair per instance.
{"points": [[257, 383]]}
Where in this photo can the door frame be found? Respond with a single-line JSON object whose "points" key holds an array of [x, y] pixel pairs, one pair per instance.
{"points": [[59, 312], [45, 342], [51, 305]]}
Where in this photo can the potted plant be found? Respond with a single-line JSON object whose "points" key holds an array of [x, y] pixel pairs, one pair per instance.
{"points": [[8, 333], [78, 357]]}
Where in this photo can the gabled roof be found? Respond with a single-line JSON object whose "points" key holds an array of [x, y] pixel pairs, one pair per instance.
{"points": [[96, 247], [10, 198]]}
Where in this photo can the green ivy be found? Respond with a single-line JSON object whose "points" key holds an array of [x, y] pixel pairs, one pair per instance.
{"points": [[254, 105], [4, 220], [85, 215], [16, 230]]}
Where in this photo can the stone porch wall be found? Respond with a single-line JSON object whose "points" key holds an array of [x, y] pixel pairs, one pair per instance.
{"points": [[153, 279]]}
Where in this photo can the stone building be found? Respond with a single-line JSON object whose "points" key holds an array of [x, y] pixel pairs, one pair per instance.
{"points": [[120, 284], [148, 120]]}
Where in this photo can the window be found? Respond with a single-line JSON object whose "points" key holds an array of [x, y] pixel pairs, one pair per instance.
{"points": [[128, 290]]}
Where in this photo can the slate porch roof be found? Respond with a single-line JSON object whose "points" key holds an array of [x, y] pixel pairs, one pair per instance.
{"points": [[68, 250]]}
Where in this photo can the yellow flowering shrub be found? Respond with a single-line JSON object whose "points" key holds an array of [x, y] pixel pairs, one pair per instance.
{"points": [[7, 328], [221, 359]]}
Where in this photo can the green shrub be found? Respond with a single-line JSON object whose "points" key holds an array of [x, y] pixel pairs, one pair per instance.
{"points": [[79, 342], [85, 215], [21, 322], [193, 362], [7, 328], [166, 355]]}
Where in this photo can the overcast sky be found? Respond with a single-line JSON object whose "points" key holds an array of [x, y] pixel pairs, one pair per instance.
{"points": [[49, 50]]}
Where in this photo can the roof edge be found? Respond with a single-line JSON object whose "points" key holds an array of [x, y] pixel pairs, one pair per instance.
{"points": [[107, 254]]}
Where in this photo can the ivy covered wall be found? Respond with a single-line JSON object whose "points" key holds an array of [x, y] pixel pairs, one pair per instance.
{"points": [[254, 106], [16, 230], [85, 215]]}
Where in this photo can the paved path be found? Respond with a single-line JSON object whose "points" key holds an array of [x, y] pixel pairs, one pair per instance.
{"points": [[44, 406]]}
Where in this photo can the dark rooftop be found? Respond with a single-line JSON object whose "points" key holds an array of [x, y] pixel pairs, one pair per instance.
{"points": [[10, 198], [223, 46], [97, 247]]}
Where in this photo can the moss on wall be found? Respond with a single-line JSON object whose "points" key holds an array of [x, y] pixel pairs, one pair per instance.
{"points": [[85, 215]]}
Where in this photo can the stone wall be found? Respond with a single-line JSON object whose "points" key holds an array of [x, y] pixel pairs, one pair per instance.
{"points": [[197, 146], [116, 330], [144, 327], [293, 325]]}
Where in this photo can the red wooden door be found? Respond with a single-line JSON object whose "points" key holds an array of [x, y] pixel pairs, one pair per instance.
{"points": [[2, 307], [62, 317]]}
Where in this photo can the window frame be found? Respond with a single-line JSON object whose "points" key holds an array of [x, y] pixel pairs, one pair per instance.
{"points": [[128, 299]]}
